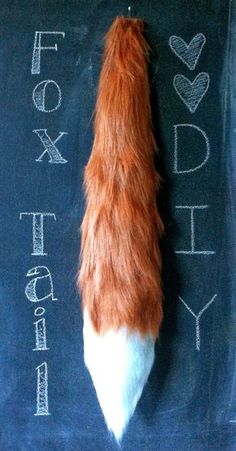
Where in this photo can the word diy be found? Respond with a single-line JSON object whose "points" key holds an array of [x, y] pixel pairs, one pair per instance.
{"points": [[191, 93]]}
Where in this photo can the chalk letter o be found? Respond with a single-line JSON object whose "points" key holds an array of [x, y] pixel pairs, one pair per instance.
{"points": [[39, 96]]}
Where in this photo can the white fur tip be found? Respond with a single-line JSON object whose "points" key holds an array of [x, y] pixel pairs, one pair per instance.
{"points": [[119, 363]]}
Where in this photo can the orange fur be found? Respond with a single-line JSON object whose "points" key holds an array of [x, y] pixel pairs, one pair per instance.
{"points": [[120, 262]]}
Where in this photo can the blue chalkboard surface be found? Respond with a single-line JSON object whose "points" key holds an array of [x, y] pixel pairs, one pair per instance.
{"points": [[50, 58]]}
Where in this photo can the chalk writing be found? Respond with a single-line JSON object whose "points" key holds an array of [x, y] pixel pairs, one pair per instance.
{"points": [[39, 96], [39, 311], [42, 389], [49, 145], [40, 335], [44, 279], [188, 53], [40, 287], [197, 318], [38, 230], [191, 93], [196, 129], [193, 251], [36, 57]]}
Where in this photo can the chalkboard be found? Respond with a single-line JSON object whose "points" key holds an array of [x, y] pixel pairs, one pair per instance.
{"points": [[50, 58]]}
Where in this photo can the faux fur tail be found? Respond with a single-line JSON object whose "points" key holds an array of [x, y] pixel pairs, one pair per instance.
{"points": [[120, 262]]}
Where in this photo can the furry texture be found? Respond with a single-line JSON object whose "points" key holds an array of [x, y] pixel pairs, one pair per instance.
{"points": [[119, 363], [120, 261]]}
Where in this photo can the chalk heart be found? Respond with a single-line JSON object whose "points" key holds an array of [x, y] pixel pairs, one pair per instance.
{"points": [[191, 93], [188, 53]]}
